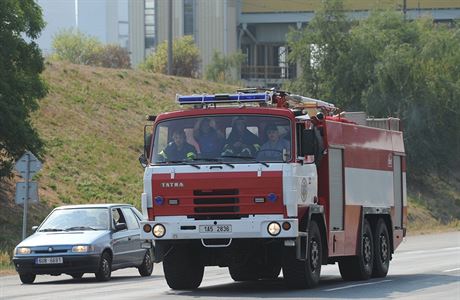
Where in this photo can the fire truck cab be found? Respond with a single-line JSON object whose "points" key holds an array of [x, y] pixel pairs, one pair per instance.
{"points": [[259, 182]]}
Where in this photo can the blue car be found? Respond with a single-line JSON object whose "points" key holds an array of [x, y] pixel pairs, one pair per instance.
{"points": [[78, 239]]}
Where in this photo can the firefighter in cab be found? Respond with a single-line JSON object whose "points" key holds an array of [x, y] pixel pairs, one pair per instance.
{"points": [[178, 149], [241, 142]]}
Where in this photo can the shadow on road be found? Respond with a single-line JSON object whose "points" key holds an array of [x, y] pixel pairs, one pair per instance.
{"points": [[92, 279], [330, 287]]}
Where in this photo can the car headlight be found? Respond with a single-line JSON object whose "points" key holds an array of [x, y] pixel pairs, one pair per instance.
{"points": [[23, 250], [82, 248], [274, 228], [159, 230]]}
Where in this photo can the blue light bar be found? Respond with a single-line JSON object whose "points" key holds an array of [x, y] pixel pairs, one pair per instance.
{"points": [[220, 98]]}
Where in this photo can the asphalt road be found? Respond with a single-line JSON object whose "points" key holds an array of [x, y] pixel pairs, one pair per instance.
{"points": [[424, 267]]}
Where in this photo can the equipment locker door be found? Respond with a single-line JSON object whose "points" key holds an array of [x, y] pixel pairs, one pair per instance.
{"points": [[336, 194], [398, 197]]}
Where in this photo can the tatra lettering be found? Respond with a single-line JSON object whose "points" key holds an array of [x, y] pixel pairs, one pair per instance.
{"points": [[172, 185]]}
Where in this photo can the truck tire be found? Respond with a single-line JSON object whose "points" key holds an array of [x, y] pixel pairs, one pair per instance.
{"points": [[27, 278], [104, 271], [146, 268], [382, 252], [182, 268], [301, 274], [360, 267]]}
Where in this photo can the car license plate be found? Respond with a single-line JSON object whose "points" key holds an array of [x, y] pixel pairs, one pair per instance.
{"points": [[49, 260], [215, 228]]}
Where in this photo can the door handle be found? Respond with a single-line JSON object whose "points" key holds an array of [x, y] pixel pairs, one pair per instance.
{"points": [[129, 238]]}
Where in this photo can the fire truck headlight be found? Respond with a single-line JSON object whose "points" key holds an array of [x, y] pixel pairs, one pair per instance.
{"points": [[159, 230], [274, 229]]}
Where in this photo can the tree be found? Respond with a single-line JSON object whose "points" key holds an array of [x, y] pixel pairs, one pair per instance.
{"points": [[21, 63], [318, 47], [387, 66], [220, 68], [186, 58]]}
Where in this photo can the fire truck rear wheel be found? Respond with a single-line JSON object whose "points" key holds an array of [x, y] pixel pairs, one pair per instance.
{"points": [[304, 274], [382, 252], [183, 269], [360, 267]]}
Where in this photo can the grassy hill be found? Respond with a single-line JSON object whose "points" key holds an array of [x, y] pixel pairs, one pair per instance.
{"points": [[92, 123]]}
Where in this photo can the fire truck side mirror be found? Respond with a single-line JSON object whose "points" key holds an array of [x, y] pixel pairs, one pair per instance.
{"points": [[143, 161], [308, 142], [147, 141]]}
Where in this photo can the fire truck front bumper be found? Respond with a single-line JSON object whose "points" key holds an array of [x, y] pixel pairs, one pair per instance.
{"points": [[181, 228]]}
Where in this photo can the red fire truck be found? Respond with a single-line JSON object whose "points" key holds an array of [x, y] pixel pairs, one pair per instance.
{"points": [[331, 190]]}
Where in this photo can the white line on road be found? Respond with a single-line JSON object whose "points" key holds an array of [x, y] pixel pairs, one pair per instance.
{"points": [[451, 270], [428, 251], [355, 285]]}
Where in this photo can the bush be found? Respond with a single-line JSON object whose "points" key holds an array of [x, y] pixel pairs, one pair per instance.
{"points": [[79, 48], [220, 68], [114, 56], [76, 47], [186, 58]]}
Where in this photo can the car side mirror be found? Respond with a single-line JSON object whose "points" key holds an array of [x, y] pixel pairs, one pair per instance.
{"points": [[120, 226], [34, 228], [143, 161]]}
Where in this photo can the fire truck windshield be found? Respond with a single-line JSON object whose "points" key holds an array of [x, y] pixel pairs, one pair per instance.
{"points": [[223, 138]]}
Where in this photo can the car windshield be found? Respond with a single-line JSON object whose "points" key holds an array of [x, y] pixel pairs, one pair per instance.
{"points": [[222, 139], [77, 219]]}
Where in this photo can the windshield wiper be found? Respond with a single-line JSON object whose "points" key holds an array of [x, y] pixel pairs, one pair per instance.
{"points": [[247, 158], [181, 162], [50, 229], [215, 160], [80, 228]]}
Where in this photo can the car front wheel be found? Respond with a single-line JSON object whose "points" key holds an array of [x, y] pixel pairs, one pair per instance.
{"points": [[146, 268], [105, 268], [27, 278]]}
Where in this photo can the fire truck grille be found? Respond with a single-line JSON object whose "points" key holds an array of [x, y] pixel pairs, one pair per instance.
{"points": [[216, 192], [218, 217], [217, 209], [216, 201]]}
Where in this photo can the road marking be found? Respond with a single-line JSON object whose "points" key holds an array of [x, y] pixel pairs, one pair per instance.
{"points": [[451, 270], [355, 285], [427, 251]]}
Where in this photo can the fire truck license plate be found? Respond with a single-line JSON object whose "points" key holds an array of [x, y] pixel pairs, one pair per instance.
{"points": [[49, 260], [215, 228]]}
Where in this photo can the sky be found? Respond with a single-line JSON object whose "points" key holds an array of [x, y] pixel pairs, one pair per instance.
{"points": [[92, 18]]}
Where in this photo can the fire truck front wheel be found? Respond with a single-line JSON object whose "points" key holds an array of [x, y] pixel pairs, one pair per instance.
{"points": [[360, 267], [302, 274], [183, 269]]}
